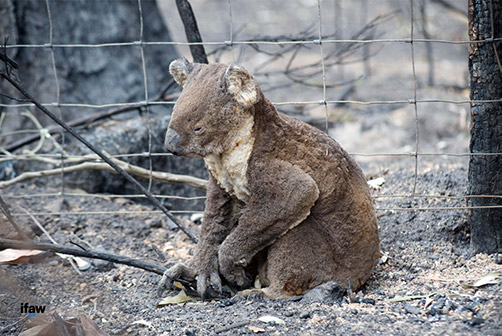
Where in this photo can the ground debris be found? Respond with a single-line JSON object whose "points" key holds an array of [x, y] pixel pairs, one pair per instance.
{"points": [[419, 284]]}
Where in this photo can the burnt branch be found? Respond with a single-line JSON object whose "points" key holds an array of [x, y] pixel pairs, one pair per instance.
{"points": [[13, 98], [137, 171], [191, 31], [145, 265]]}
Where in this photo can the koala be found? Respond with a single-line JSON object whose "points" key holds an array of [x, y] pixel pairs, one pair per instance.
{"points": [[284, 201]]}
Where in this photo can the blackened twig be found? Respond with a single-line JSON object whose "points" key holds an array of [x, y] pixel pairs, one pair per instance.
{"points": [[56, 248], [9, 326], [237, 324], [4, 58], [13, 98], [145, 265], [74, 123], [191, 31]]}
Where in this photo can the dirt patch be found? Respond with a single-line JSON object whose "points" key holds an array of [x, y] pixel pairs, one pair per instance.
{"points": [[426, 255]]}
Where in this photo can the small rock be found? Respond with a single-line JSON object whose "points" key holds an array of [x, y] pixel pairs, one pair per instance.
{"points": [[450, 305], [304, 314], [434, 311], [439, 303], [475, 321], [225, 303], [328, 293], [467, 308], [411, 309], [196, 218], [368, 301], [271, 320], [153, 223], [436, 318], [54, 262], [289, 313]]}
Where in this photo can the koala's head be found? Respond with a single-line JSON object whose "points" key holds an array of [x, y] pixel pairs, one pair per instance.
{"points": [[216, 100]]}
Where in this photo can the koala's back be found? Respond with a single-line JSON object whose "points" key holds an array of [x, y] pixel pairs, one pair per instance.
{"points": [[342, 225]]}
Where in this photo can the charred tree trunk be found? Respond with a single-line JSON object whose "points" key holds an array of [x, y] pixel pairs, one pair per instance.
{"points": [[86, 75], [485, 171]]}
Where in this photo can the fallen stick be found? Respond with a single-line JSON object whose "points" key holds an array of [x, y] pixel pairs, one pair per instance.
{"points": [[31, 245], [232, 326], [189, 286], [127, 167]]}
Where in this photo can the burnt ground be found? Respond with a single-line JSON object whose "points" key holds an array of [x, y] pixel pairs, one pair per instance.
{"points": [[426, 254]]}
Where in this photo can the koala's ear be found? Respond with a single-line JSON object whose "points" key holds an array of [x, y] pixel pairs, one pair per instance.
{"points": [[242, 86], [180, 69]]}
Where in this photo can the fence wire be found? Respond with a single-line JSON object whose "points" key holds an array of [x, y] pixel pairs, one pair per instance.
{"points": [[232, 43]]}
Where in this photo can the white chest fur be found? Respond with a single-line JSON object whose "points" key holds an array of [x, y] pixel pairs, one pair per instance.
{"points": [[230, 168]]}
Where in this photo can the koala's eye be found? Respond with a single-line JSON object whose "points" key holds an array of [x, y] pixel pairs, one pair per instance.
{"points": [[198, 130]]}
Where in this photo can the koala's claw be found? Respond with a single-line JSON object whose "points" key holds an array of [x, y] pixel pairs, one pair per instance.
{"points": [[178, 271], [165, 282], [214, 281]]}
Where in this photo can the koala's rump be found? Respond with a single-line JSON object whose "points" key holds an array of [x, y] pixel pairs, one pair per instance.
{"points": [[341, 231]]}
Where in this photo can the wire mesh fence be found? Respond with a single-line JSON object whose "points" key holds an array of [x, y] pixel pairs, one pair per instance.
{"points": [[322, 57]]}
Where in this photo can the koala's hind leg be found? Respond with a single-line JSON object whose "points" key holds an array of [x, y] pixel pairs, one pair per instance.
{"points": [[298, 261]]}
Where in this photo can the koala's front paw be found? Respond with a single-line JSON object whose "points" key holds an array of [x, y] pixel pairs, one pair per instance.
{"points": [[233, 270], [204, 269], [178, 271]]}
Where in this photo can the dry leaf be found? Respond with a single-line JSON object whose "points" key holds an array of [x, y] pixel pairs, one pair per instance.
{"points": [[428, 301], [271, 319], [256, 330], [34, 331], [181, 297], [90, 327], [11, 256], [86, 326], [81, 263], [489, 279]]}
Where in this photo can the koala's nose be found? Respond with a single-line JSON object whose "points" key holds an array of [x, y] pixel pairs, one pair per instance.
{"points": [[172, 141]]}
